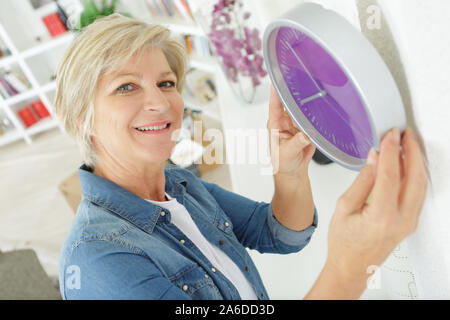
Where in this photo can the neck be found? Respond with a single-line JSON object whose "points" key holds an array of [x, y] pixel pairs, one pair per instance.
{"points": [[147, 181]]}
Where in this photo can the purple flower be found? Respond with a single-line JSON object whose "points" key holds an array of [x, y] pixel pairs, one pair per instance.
{"points": [[238, 46], [252, 41]]}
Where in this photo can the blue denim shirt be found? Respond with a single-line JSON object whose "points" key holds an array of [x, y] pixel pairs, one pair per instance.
{"points": [[121, 246]]}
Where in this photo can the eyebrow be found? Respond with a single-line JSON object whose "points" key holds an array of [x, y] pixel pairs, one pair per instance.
{"points": [[162, 74]]}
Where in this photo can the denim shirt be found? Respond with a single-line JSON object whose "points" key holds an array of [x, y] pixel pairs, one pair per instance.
{"points": [[121, 246]]}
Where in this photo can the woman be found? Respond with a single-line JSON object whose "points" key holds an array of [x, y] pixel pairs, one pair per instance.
{"points": [[145, 230]]}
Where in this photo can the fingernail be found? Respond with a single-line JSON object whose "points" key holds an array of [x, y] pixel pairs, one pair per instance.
{"points": [[371, 158], [410, 131], [396, 134]]}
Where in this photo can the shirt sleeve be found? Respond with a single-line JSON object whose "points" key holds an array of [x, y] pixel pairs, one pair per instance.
{"points": [[255, 225], [103, 271]]}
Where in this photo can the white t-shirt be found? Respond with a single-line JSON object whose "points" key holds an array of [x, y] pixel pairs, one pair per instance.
{"points": [[182, 219]]}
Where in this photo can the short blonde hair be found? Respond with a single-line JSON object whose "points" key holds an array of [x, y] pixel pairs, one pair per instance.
{"points": [[99, 49]]}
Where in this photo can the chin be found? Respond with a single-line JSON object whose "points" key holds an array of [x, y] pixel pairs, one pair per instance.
{"points": [[157, 157]]}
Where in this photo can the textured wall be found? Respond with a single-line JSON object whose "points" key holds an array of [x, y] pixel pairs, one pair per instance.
{"points": [[413, 40], [420, 29]]}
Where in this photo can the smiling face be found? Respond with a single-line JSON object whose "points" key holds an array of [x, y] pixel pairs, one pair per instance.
{"points": [[142, 94]]}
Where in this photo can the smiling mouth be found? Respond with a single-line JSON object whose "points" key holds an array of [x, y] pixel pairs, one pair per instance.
{"points": [[154, 128]]}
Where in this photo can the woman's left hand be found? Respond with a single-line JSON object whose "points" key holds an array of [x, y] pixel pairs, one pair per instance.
{"points": [[290, 149]]}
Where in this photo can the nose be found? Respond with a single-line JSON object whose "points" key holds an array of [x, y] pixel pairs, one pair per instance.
{"points": [[155, 100]]}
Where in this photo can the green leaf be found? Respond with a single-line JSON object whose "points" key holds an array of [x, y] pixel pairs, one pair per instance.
{"points": [[91, 12], [90, 8]]}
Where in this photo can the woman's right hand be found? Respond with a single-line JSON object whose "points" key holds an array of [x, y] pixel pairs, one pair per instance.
{"points": [[363, 235]]}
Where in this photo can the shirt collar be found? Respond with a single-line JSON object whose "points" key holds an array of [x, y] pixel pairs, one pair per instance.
{"points": [[126, 204]]}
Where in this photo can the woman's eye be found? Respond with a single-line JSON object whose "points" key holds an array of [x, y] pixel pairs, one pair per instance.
{"points": [[171, 84], [128, 85]]}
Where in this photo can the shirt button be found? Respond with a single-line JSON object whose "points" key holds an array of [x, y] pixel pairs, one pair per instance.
{"points": [[182, 241], [227, 224], [246, 268], [213, 269], [220, 242], [185, 287], [162, 213], [206, 276]]}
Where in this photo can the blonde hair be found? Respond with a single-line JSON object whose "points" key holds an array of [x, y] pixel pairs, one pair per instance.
{"points": [[99, 49]]}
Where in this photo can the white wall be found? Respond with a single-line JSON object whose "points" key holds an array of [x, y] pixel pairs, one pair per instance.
{"points": [[419, 28], [421, 31]]}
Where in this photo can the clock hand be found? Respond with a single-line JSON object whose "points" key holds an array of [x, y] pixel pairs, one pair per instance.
{"points": [[322, 92]]}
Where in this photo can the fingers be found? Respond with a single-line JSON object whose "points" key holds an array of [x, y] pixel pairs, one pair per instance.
{"points": [[414, 187], [293, 127], [294, 145], [355, 197], [388, 180], [276, 109], [278, 117], [309, 152]]}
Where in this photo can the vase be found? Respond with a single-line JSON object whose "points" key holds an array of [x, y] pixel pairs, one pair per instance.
{"points": [[236, 44]]}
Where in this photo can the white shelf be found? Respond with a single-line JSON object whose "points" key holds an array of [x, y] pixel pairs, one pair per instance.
{"points": [[10, 137], [37, 91], [29, 94], [7, 60], [42, 125], [57, 41], [21, 97], [49, 87]]}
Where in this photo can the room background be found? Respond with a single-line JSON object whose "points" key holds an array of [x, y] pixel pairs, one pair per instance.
{"points": [[34, 213]]}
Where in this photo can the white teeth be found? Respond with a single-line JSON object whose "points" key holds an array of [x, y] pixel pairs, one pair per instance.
{"points": [[153, 128]]}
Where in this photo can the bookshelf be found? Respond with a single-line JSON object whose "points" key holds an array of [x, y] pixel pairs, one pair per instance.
{"points": [[10, 105], [34, 54]]}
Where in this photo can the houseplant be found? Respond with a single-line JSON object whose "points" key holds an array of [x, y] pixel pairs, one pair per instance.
{"points": [[92, 12]]}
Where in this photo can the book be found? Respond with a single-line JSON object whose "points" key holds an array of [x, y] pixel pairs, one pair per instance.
{"points": [[168, 7], [188, 9], [3, 91], [27, 116], [62, 15], [181, 10], [54, 24], [72, 9], [22, 78], [187, 39], [11, 91], [13, 81], [162, 8], [40, 109]]}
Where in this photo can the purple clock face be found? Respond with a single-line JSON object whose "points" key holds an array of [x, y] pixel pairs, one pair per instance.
{"points": [[323, 93]]}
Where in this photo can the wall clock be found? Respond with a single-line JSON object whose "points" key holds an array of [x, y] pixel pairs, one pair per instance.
{"points": [[332, 82]]}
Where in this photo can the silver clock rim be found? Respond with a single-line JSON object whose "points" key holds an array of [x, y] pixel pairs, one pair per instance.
{"points": [[381, 116]]}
